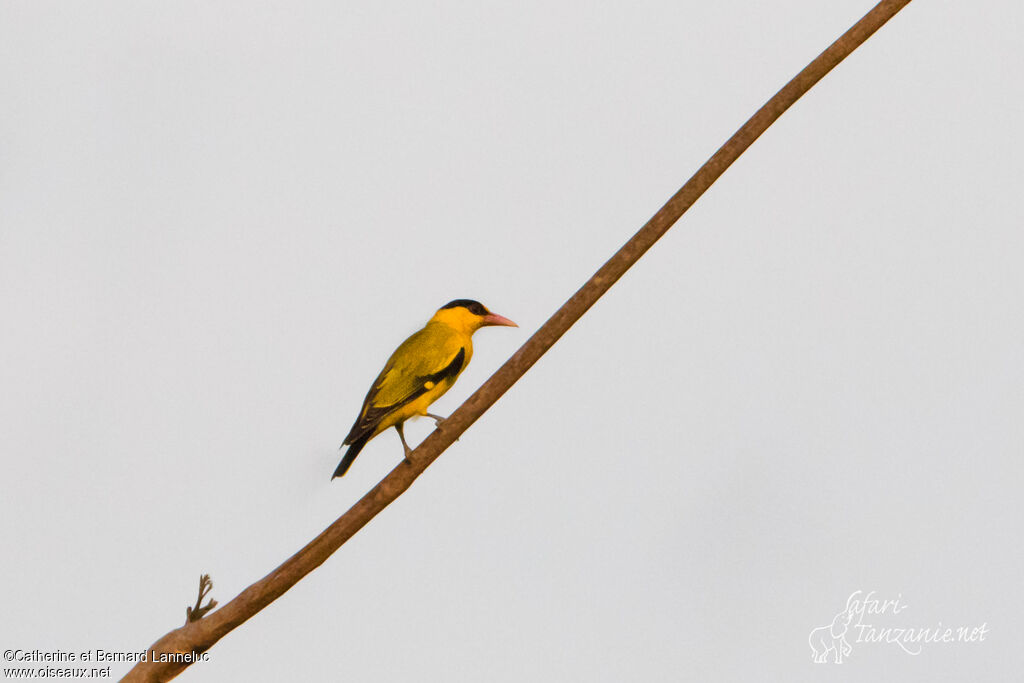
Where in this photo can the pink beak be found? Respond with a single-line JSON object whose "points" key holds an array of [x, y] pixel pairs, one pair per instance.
{"points": [[495, 319]]}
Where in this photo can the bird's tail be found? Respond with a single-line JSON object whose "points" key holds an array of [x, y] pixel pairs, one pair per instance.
{"points": [[350, 455]]}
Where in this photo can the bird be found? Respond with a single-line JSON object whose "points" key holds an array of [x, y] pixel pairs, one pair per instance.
{"points": [[418, 373]]}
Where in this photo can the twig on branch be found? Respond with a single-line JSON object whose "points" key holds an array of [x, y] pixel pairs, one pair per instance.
{"points": [[199, 636], [199, 611]]}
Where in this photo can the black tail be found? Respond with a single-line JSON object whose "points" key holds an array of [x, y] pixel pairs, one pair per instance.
{"points": [[350, 455]]}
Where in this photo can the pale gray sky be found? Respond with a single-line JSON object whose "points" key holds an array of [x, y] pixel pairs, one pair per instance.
{"points": [[218, 219]]}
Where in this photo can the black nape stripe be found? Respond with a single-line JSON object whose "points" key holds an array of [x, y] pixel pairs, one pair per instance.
{"points": [[474, 307]]}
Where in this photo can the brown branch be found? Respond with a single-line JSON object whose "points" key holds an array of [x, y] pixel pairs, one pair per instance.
{"points": [[200, 635], [199, 611]]}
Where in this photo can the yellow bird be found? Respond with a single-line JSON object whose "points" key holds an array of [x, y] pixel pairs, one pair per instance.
{"points": [[418, 373]]}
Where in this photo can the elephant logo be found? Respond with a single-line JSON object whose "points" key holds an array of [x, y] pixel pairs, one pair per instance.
{"points": [[832, 638]]}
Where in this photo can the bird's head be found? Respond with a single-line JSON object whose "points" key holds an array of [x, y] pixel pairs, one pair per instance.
{"points": [[469, 316]]}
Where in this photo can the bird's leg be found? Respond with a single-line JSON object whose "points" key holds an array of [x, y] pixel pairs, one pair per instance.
{"points": [[400, 428]]}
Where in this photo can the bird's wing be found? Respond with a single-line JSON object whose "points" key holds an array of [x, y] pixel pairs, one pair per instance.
{"points": [[421, 362]]}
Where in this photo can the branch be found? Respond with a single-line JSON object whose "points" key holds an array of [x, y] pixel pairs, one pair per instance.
{"points": [[199, 636], [199, 611]]}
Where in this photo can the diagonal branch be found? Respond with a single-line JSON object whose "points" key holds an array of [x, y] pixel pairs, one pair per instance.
{"points": [[200, 635]]}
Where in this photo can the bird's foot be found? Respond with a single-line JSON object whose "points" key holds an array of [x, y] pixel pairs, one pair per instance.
{"points": [[438, 420]]}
